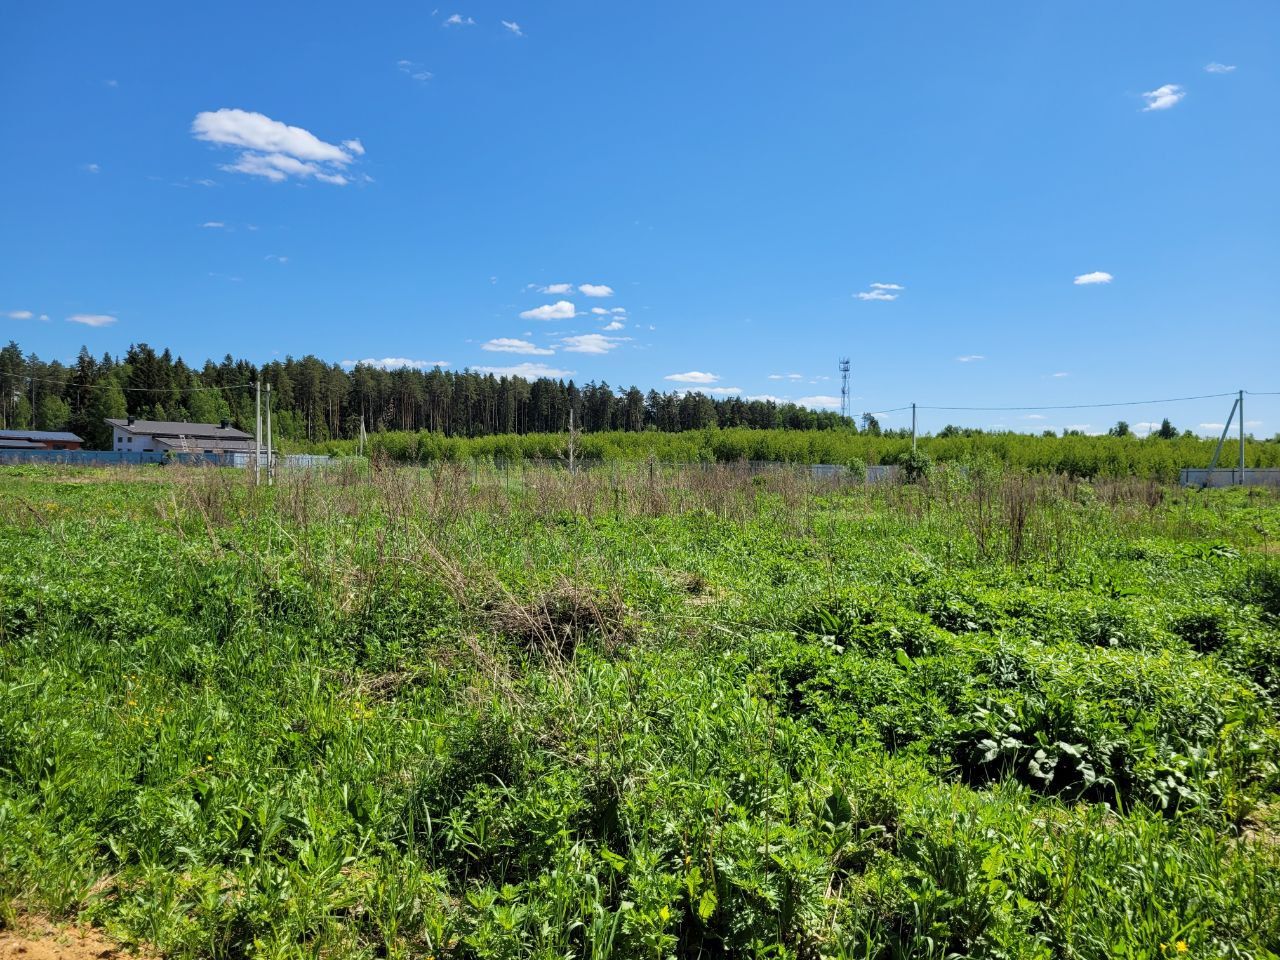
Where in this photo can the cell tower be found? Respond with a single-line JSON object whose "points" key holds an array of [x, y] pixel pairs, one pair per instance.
{"points": [[844, 386]]}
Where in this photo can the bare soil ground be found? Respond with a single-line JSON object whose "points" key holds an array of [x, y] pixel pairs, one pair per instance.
{"points": [[34, 938]]}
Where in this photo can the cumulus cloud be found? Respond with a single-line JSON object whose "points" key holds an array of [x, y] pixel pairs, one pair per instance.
{"points": [[458, 20], [600, 311], [970, 357], [1216, 67], [786, 376], [595, 290], [1162, 98], [724, 391], [19, 314], [530, 371], [213, 225], [92, 319], [395, 363], [560, 310], [508, 345], [274, 150], [693, 376], [415, 70], [1098, 276], [881, 291], [613, 325], [819, 401], [591, 343], [555, 288], [513, 27]]}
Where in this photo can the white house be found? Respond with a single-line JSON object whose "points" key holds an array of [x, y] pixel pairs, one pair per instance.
{"points": [[161, 436]]}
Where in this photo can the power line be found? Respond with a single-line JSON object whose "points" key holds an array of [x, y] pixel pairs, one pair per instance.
{"points": [[70, 384], [1089, 406]]}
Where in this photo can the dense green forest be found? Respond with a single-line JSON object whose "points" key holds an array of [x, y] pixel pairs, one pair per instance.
{"points": [[314, 401]]}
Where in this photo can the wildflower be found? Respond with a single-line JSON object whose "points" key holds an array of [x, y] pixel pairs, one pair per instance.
{"points": [[208, 756], [1181, 946], [664, 914]]}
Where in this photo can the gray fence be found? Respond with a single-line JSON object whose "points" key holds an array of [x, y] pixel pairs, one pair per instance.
{"points": [[1255, 477], [112, 458]]}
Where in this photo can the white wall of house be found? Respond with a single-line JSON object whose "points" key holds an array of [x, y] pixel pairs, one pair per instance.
{"points": [[128, 442]]}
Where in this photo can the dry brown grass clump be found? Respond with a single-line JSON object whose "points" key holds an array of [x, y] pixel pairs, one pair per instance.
{"points": [[554, 624]]}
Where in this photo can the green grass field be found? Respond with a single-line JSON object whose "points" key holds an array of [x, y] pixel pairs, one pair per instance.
{"points": [[439, 713]]}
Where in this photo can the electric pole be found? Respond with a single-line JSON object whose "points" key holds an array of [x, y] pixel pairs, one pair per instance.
{"points": [[270, 467], [257, 433]]}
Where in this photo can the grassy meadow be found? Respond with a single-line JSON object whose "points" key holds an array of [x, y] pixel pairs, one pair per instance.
{"points": [[449, 712]]}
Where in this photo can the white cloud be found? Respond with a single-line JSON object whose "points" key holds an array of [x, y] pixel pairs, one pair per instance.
{"points": [[508, 345], [766, 397], [213, 225], [555, 288], [617, 309], [591, 343], [92, 167], [1212, 426], [724, 391], [276, 258], [458, 20], [272, 149], [560, 310], [513, 27], [395, 363], [882, 292], [613, 325], [415, 70], [693, 376], [1098, 276], [786, 376], [1061, 374], [600, 311], [19, 314], [1253, 423], [819, 401], [530, 371], [1034, 416], [595, 290], [1162, 98], [92, 319], [1216, 67], [970, 357]]}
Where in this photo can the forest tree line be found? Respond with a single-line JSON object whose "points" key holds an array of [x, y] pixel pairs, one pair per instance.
{"points": [[314, 401]]}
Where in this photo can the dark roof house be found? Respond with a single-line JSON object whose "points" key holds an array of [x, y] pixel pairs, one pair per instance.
{"points": [[158, 436], [39, 440]]}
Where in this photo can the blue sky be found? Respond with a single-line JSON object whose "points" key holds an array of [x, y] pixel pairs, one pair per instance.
{"points": [[727, 178]]}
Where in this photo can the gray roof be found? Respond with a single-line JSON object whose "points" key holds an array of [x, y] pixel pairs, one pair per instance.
{"points": [[176, 428], [60, 436], [198, 444], [11, 443]]}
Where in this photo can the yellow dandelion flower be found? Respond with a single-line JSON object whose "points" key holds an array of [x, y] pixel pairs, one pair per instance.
{"points": [[1181, 946]]}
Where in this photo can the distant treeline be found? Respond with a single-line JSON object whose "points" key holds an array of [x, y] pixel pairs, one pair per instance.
{"points": [[314, 401], [1114, 455]]}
